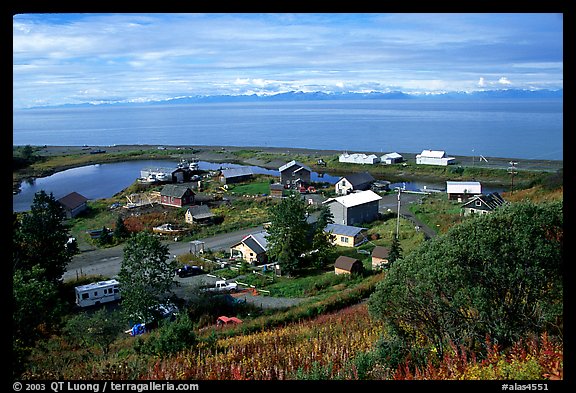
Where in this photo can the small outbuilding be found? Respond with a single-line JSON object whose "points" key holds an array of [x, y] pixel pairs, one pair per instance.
{"points": [[434, 157], [391, 158], [235, 175], [347, 265], [73, 204], [380, 257], [199, 214]]}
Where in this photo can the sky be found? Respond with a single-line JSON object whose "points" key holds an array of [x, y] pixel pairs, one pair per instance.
{"points": [[99, 58]]}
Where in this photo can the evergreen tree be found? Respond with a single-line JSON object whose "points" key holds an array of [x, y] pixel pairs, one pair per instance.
{"points": [[146, 276], [395, 251], [120, 230], [288, 233], [322, 240], [40, 238]]}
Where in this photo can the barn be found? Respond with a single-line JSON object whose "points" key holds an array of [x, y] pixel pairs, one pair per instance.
{"points": [[434, 157]]}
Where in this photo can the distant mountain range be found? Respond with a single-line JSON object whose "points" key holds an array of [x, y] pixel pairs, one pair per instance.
{"points": [[316, 96]]}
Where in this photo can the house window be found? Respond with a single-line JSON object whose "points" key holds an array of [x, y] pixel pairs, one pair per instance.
{"points": [[343, 183], [343, 239], [478, 203]]}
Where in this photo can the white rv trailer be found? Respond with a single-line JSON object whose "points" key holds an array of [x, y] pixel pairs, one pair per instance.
{"points": [[97, 293]]}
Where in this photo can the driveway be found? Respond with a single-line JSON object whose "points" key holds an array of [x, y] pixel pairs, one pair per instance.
{"points": [[390, 202]]}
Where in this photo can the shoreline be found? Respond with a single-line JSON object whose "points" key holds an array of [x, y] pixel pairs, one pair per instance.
{"points": [[222, 154]]}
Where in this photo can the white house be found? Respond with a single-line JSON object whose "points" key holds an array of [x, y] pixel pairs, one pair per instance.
{"points": [[359, 158], [434, 157], [462, 190], [391, 158]]}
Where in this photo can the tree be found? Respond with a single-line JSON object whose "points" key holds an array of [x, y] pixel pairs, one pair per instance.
{"points": [[395, 250], [498, 275], [322, 244], [101, 328], [146, 276], [40, 238], [120, 230], [288, 233]]}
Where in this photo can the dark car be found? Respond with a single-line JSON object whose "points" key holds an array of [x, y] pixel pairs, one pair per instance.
{"points": [[187, 271]]}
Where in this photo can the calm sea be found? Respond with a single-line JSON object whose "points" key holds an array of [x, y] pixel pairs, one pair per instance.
{"points": [[515, 129]]}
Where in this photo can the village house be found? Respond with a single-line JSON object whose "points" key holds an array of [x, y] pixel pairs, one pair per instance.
{"points": [[391, 158], [359, 158], [176, 195], [347, 265], [434, 157], [379, 257], [294, 175], [355, 208], [235, 175], [73, 204], [354, 182], [199, 214], [483, 204], [251, 248], [345, 235], [462, 190]]}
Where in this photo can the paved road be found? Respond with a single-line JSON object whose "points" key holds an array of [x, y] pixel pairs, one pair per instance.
{"points": [[107, 261]]}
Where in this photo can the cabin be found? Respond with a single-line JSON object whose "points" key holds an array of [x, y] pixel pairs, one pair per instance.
{"points": [[235, 175], [355, 208], [73, 204], [359, 158], [379, 257], [295, 175], [391, 158], [97, 293], [354, 182], [199, 214], [176, 195], [347, 265], [483, 204], [434, 157], [462, 190], [346, 236], [251, 248]]}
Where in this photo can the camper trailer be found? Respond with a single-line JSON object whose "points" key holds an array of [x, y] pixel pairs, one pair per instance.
{"points": [[97, 293]]}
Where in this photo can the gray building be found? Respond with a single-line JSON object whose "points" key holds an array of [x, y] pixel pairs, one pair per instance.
{"points": [[354, 182], [356, 208], [294, 174]]}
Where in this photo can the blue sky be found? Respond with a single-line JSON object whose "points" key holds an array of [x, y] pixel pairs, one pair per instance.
{"points": [[77, 58]]}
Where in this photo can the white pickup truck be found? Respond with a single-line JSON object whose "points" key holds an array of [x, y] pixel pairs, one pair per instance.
{"points": [[222, 286]]}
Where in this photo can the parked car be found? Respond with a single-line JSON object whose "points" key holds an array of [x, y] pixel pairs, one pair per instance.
{"points": [[187, 271]]}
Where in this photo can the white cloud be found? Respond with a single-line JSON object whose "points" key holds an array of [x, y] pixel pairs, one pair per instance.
{"points": [[481, 82], [504, 81]]}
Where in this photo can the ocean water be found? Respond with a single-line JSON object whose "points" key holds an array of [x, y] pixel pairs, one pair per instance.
{"points": [[516, 129]]}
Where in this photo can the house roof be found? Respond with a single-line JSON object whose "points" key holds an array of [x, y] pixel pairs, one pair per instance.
{"points": [[380, 252], [463, 187], [491, 201], [237, 172], [356, 198], [292, 163], [72, 200], [345, 230], [358, 178], [175, 190], [199, 212], [226, 319], [433, 153], [345, 263], [256, 242], [391, 155]]}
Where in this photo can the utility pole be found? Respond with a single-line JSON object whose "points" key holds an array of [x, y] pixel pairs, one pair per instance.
{"points": [[398, 215], [512, 172]]}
